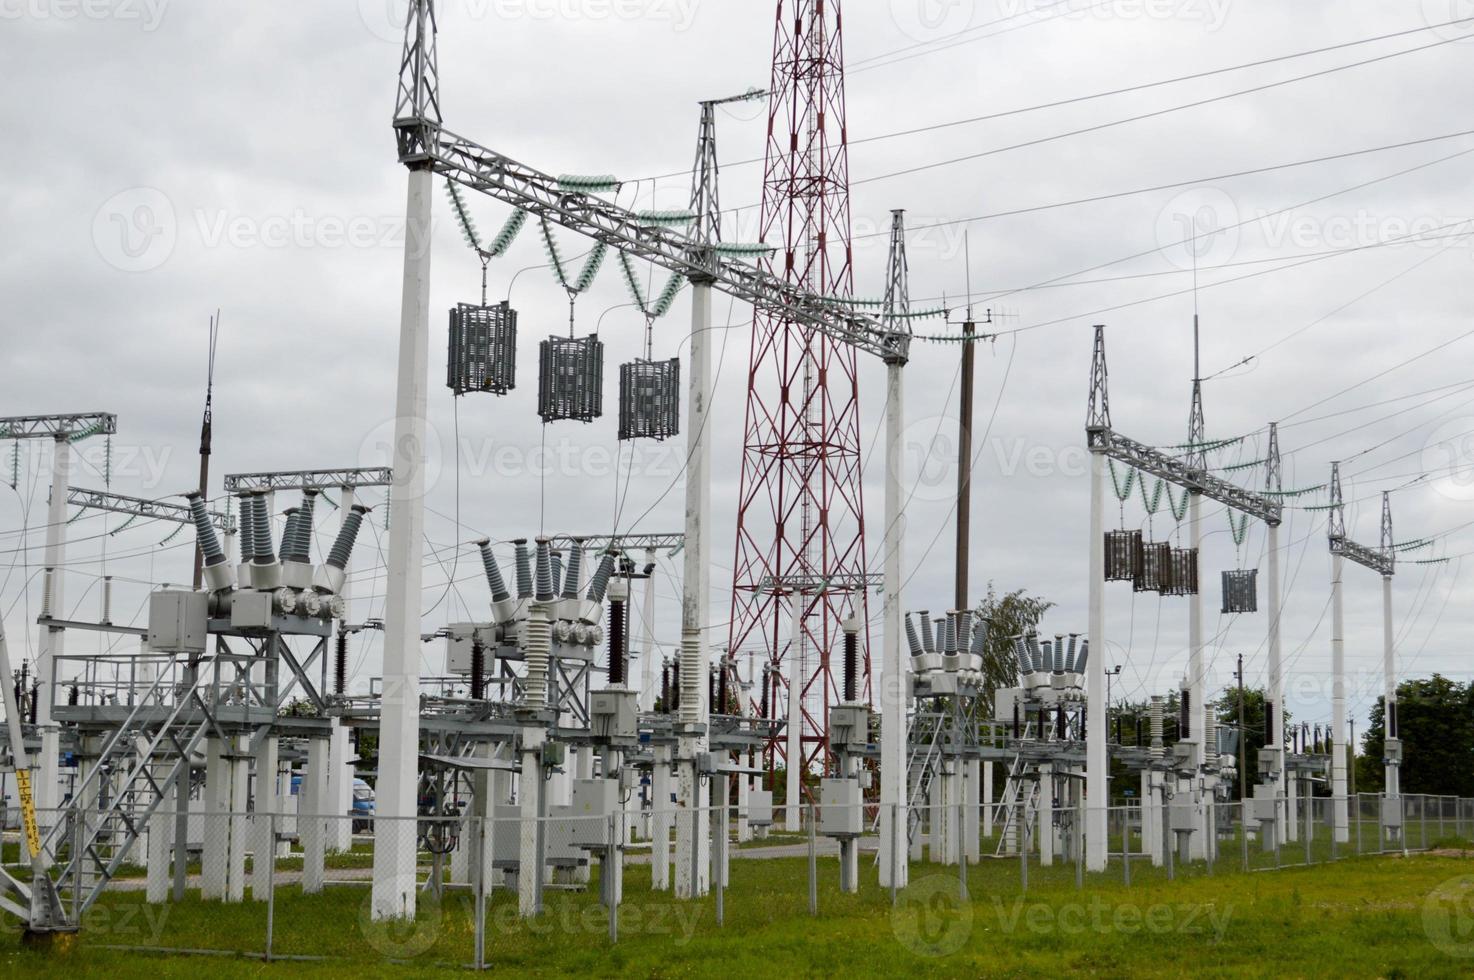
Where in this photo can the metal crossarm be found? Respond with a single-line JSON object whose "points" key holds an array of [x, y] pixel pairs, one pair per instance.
{"points": [[379, 476], [139, 507], [54, 426], [1376, 559], [464, 161], [1177, 471]]}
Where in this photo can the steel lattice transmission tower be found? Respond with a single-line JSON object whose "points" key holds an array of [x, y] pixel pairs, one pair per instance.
{"points": [[800, 554]]}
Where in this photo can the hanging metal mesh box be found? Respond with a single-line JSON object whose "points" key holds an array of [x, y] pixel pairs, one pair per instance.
{"points": [[1182, 576], [1123, 556], [1241, 590], [571, 379], [483, 349], [649, 399], [1154, 572]]}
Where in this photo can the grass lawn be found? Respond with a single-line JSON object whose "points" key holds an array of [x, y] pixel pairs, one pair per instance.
{"points": [[1368, 917]]}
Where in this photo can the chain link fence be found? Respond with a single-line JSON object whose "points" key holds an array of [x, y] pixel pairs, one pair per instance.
{"points": [[300, 886]]}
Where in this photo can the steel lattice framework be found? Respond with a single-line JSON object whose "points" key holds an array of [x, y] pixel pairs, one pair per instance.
{"points": [[800, 515]]}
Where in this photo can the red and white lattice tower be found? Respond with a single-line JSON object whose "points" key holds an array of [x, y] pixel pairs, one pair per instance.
{"points": [[800, 521]]}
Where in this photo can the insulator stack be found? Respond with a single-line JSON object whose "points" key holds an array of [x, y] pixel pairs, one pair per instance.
{"points": [[665, 684], [691, 678], [46, 591], [107, 599], [302, 539], [557, 570], [600, 582], [674, 702], [263, 552], [247, 526], [1060, 663], [764, 708], [524, 569], [939, 638], [618, 620], [949, 634], [539, 646], [711, 690], [575, 569], [851, 660], [722, 687], [478, 669], [1184, 714], [912, 640], [204, 530], [342, 549], [74, 696], [980, 638], [1269, 723], [1157, 748], [494, 578], [926, 632], [1182, 578], [35, 701], [964, 630], [543, 589], [340, 665], [289, 532]]}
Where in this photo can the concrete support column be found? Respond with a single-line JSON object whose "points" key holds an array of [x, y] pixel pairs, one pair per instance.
{"points": [[51, 643], [399, 720], [216, 843], [987, 792], [1047, 805], [1339, 813], [312, 818], [660, 819], [159, 843], [972, 782], [267, 803], [894, 683]]}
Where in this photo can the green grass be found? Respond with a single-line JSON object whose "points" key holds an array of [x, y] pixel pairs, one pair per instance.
{"points": [[1368, 917]]}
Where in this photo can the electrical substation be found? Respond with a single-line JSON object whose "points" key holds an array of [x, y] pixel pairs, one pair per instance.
{"points": [[563, 744]]}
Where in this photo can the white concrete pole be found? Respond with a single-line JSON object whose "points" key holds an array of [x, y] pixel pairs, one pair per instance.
{"points": [[894, 686], [340, 771], [693, 836], [1197, 681], [1392, 781], [214, 853], [1340, 823], [1277, 674], [51, 641], [1097, 758], [794, 755], [1047, 804], [971, 788], [399, 727]]}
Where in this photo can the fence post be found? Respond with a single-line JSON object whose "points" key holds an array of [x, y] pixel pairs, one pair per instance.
{"points": [[1244, 834], [721, 866], [1358, 824], [479, 856], [1079, 835], [895, 843], [813, 864], [612, 892], [270, 889], [961, 843], [1424, 821], [1309, 828], [1021, 834], [1126, 845]]}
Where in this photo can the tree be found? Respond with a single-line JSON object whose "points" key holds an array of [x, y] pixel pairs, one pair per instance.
{"points": [[1435, 720], [1007, 616], [1228, 714]]}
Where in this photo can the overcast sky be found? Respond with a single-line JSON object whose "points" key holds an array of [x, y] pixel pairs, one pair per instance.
{"points": [[167, 159]]}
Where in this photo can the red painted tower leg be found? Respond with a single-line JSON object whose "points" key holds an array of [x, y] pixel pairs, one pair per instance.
{"points": [[800, 519]]}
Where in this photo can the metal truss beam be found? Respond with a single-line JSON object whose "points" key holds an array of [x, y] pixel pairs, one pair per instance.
{"points": [[1177, 471], [378, 476], [52, 426], [812, 584], [622, 542], [139, 507], [541, 196], [1376, 559]]}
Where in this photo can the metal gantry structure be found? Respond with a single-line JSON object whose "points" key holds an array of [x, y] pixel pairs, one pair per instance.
{"points": [[1190, 473], [427, 148], [1383, 561]]}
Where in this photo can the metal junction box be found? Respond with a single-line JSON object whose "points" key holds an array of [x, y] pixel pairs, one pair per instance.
{"points": [[250, 610], [613, 714], [459, 641], [759, 807], [849, 727], [841, 808], [594, 802], [177, 621]]}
